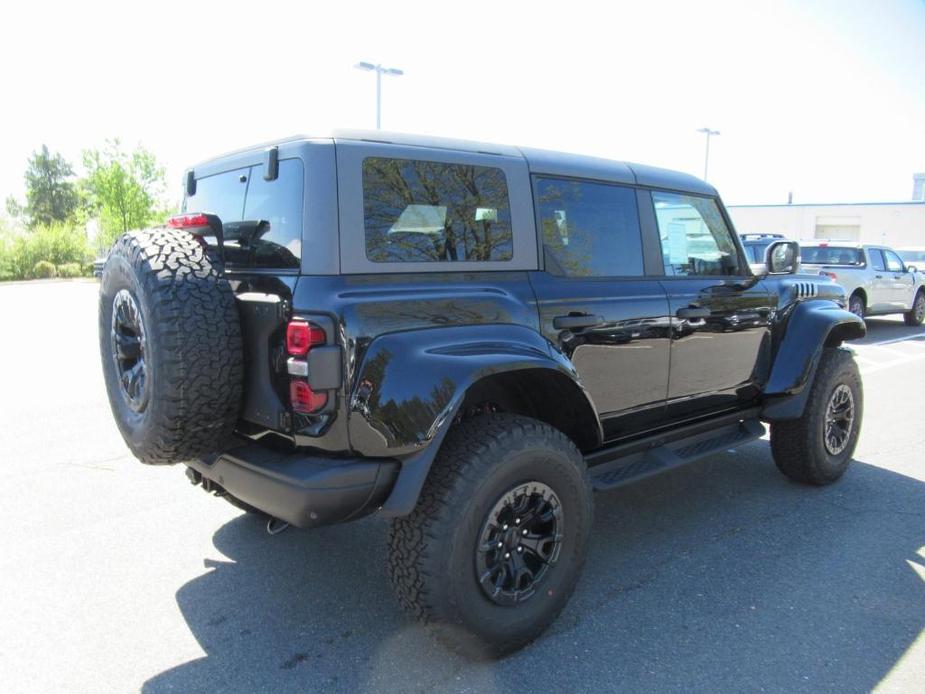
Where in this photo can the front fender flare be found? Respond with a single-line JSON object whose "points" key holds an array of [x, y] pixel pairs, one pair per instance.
{"points": [[809, 328]]}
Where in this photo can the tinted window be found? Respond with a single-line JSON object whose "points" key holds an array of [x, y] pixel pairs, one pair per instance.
{"points": [[912, 256], [222, 194], [876, 259], [695, 238], [893, 263], [262, 220], [277, 205], [755, 251], [589, 229], [426, 211], [831, 255]]}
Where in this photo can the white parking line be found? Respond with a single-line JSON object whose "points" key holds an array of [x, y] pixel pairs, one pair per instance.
{"points": [[918, 338], [865, 369], [878, 350]]}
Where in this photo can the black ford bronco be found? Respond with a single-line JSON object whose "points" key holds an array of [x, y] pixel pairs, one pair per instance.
{"points": [[467, 339]]}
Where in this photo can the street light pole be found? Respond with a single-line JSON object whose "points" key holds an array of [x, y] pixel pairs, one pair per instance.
{"points": [[706, 159], [379, 70]]}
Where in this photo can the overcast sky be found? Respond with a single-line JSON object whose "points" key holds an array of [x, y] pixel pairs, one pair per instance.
{"points": [[825, 99]]}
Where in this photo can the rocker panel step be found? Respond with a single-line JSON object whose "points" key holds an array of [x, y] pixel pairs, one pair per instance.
{"points": [[659, 457]]}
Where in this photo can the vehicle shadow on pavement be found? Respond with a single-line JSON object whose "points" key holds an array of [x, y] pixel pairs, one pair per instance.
{"points": [[722, 576]]}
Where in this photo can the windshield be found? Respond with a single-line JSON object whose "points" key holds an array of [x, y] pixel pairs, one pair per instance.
{"points": [[915, 257], [831, 255]]}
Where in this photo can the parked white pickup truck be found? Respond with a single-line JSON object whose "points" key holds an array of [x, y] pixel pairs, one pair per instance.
{"points": [[876, 280]]}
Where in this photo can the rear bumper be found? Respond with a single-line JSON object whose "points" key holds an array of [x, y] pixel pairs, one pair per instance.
{"points": [[304, 490]]}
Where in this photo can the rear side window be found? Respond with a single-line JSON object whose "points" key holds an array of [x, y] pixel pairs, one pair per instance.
{"points": [[424, 211], [876, 259], [589, 229], [831, 255], [262, 220], [695, 238]]}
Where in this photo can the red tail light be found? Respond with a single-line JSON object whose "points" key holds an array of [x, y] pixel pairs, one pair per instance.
{"points": [[831, 275], [302, 336], [304, 399], [188, 221]]}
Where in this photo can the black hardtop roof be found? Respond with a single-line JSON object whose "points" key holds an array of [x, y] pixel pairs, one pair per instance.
{"points": [[539, 161]]}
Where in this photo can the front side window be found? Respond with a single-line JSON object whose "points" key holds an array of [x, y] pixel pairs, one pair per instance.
{"points": [[424, 211], [695, 237], [893, 263], [589, 229]]}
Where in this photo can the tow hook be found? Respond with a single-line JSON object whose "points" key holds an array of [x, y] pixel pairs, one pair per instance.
{"points": [[275, 526]]}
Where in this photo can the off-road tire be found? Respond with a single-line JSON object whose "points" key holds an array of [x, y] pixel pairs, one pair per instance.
{"points": [[798, 445], [916, 314], [857, 305], [431, 562], [192, 345]]}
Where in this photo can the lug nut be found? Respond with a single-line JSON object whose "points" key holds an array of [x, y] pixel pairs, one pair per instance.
{"points": [[507, 555], [517, 521], [504, 527], [524, 532], [500, 545], [520, 549]]}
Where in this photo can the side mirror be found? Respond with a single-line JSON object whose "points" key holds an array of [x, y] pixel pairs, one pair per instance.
{"points": [[782, 258], [911, 268]]}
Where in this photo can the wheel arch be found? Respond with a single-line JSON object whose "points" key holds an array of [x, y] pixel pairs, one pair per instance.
{"points": [[810, 328], [414, 386]]}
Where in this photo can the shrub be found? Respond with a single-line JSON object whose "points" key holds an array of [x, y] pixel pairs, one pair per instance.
{"points": [[43, 270], [56, 244], [70, 270]]}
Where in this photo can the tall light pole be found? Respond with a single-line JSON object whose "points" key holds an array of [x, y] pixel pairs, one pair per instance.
{"points": [[706, 159], [380, 71]]}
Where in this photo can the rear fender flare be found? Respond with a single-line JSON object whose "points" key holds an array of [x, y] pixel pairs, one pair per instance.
{"points": [[411, 385]]}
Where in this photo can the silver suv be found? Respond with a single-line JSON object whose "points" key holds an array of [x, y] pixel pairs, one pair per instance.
{"points": [[876, 280]]}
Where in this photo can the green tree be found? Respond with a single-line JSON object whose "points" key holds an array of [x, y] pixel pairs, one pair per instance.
{"points": [[14, 208], [50, 195], [125, 189]]}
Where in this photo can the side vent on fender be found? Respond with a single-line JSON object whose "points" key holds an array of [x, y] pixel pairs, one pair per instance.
{"points": [[805, 290]]}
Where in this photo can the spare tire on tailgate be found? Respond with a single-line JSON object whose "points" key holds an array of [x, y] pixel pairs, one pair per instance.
{"points": [[170, 342]]}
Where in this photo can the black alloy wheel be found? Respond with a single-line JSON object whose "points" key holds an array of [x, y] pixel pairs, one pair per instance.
{"points": [[127, 335], [839, 419], [519, 542]]}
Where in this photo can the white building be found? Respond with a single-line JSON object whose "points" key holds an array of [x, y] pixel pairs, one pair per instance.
{"points": [[898, 224]]}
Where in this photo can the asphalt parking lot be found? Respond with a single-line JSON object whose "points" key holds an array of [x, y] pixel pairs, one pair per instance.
{"points": [[722, 576]]}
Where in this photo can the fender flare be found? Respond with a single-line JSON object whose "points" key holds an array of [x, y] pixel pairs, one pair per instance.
{"points": [[411, 385], [808, 329]]}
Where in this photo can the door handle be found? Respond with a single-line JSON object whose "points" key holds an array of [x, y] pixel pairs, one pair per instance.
{"points": [[573, 322], [878, 277], [693, 312]]}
